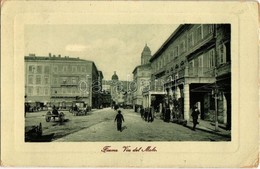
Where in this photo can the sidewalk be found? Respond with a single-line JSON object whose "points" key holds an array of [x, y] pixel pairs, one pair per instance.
{"points": [[208, 126]]}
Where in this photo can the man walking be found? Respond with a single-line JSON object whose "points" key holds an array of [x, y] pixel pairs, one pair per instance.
{"points": [[119, 118], [195, 113]]}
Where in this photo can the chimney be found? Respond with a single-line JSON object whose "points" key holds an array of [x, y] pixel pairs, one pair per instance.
{"points": [[59, 56], [49, 54]]}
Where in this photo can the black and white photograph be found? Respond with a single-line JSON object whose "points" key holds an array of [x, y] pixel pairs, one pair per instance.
{"points": [[120, 82]]}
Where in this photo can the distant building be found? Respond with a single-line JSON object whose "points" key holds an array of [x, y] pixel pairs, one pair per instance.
{"points": [[141, 77], [116, 88], [56, 80]]}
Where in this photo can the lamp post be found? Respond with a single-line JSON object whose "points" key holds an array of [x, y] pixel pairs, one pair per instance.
{"points": [[89, 94], [215, 93], [215, 90]]}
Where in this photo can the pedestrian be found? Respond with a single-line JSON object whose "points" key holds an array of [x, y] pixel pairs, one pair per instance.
{"points": [[150, 114], [145, 114], [142, 112], [116, 107], [119, 118], [167, 116], [195, 113]]}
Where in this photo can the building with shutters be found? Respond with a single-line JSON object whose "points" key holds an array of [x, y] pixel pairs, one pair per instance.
{"points": [[193, 66], [55, 80]]}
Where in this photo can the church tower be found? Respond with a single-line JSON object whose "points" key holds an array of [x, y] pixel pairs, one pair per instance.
{"points": [[146, 55]]}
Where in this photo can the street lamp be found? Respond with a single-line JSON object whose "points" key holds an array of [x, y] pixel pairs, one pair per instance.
{"points": [[89, 85], [215, 93]]}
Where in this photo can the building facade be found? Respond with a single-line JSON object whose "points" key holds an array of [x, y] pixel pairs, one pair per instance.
{"points": [[141, 77], [194, 66], [56, 80], [117, 88]]}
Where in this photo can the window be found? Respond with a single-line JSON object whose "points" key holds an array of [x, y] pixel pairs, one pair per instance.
{"points": [[172, 54], [65, 68], [200, 59], [31, 69], [46, 91], [74, 68], [60, 67], [78, 69], [73, 90], [190, 40], [55, 81], [30, 79], [211, 28], [38, 79], [182, 47], [39, 69], [211, 59], [191, 64], [55, 69], [69, 90], [83, 69], [222, 54], [38, 90], [199, 34], [64, 80], [46, 80], [30, 90], [207, 29], [46, 69], [176, 51], [74, 80]]}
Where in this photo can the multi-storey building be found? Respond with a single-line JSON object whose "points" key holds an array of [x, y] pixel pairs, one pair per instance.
{"points": [[56, 80], [194, 66], [141, 77]]}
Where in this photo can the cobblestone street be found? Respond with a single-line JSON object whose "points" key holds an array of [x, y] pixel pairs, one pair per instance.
{"points": [[99, 125]]}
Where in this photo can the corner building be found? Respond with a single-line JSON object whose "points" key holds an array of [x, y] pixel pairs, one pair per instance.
{"points": [[56, 80], [194, 66]]}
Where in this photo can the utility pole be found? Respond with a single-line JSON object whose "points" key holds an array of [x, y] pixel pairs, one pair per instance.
{"points": [[215, 90]]}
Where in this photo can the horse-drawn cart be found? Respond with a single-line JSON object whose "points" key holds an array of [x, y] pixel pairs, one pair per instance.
{"points": [[60, 116], [79, 108]]}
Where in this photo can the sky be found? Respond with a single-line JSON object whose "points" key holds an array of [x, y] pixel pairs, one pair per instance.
{"points": [[112, 47]]}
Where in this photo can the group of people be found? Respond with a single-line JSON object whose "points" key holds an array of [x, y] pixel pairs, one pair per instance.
{"points": [[146, 113]]}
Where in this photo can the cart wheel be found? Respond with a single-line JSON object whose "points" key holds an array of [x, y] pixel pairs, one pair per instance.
{"points": [[48, 116]]}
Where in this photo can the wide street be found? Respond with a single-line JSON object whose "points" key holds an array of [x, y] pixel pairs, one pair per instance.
{"points": [[99, 125]]}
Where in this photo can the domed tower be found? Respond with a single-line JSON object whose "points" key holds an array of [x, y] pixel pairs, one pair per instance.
{"points": [[146, 55], [114, 77]]}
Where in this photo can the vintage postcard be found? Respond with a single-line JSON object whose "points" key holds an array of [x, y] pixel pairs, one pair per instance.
{"points": [[129, 84]]}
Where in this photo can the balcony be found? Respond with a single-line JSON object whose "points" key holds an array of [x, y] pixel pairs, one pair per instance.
{"points": [[200, 72], [224, 69], [69, 95], [195, 72]]}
